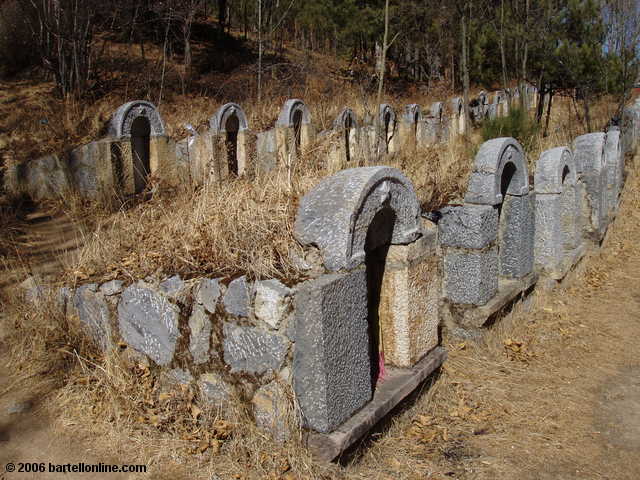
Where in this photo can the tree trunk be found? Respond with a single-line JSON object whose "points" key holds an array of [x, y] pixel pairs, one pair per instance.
{"points": [[381, 72], [465, 70], [259, 52], [546, 123], [502, 54]]}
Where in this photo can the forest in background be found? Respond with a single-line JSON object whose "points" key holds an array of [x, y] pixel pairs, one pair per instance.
{"points": [[579, 48]]}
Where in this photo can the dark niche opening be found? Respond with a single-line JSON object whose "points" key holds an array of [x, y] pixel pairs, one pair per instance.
{"points": [[297, 129], [387, 125], [377, 245], [565, 173], [232, 127], [140, 140], [348, 125]]}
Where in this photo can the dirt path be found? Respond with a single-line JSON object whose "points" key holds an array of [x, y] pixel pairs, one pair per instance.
{"points": [[47, 240]]}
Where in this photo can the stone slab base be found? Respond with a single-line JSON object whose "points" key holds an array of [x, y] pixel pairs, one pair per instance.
{"points": [[508, 290], [398, 384]]}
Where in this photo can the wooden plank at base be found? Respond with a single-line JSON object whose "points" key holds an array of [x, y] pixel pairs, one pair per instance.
{"points": [[398, 384]]}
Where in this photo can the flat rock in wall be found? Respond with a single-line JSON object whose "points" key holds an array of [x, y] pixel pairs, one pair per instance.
{"points": [[272, 302], [252, 350], [208, 294], [270, 408], [149, 322], [214, 389], [200, 327], [93, 312], [236, 300]]}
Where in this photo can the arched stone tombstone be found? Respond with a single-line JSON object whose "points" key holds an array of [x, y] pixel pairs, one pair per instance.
{"points": [[295, 121], [437, 110], [409, 127], [589, 157], [490, 237], [365, 221], [557, 236], [140, 147], [230, 128], [457, 118], [346, 124], [614, 166], [387, 119]]}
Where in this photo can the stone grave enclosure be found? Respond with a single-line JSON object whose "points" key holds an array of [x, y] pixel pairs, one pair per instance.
{"points": [[333, 354], [137, 155]]}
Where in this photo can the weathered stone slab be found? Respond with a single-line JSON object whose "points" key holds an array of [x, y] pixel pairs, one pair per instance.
{"points": [[331, 362], [272, 302], [238, 297], [111, 288], [214, 389], [252, 350], [271, 409], [516, 236], [471, 277], [409, 307], [199, 340], [398, 384], [468, 226], [208, 294], [549, 245], [93, 312], [149, 322]]}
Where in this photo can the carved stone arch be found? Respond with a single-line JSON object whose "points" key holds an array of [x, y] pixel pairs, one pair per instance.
{"points": [[346, 119], [555, 169], [123, 118], [218, 122], [412, 113], [289, 111], [336, 214], [486, 182]]}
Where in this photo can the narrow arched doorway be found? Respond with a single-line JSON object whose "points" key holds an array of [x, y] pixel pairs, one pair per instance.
{"points": [[140, 149], [232, 127]]}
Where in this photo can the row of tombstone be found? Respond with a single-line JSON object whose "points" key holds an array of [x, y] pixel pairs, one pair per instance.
{"points": [[392, 277], [137, 154]]}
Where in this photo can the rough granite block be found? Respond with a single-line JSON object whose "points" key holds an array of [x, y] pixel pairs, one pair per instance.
{"points": [[236, 299], [149, 322], [516, 236], [214, 389], [331, 362], [548, 243], [471, 277], [271, 410], [208, 294], [272, 302], [252, 350], [200, 327], [468, 226], [93, 312]]}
